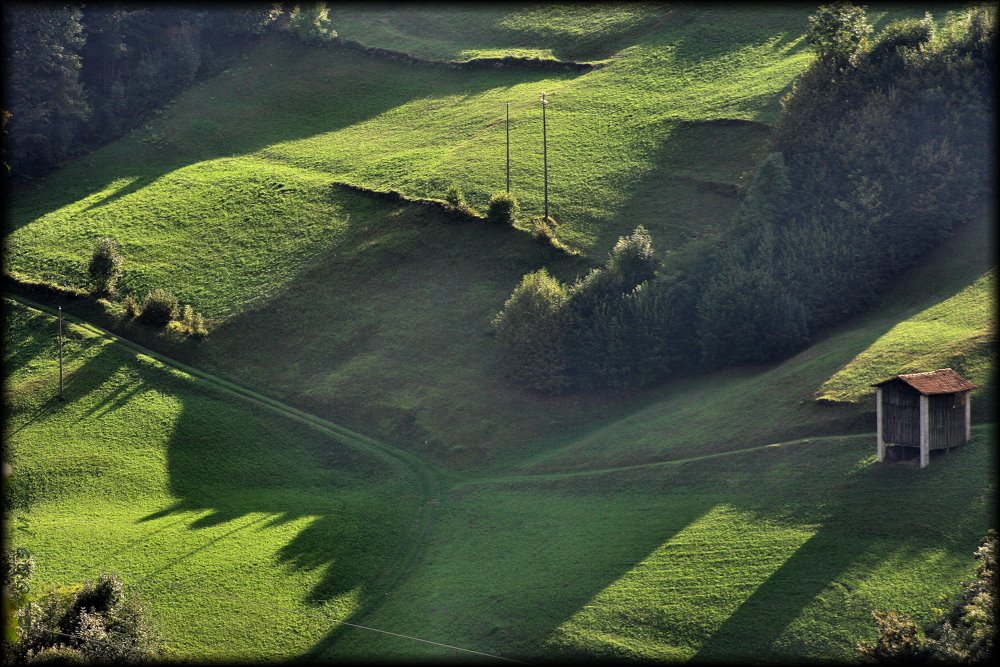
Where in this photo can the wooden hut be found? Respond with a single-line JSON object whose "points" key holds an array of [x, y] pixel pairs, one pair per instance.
{"points": [[927, 410]]}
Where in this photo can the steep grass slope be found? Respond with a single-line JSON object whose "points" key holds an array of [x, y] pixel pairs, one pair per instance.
{"points": [[247, 533], [255, 146], [959, 332], [376, 314]]}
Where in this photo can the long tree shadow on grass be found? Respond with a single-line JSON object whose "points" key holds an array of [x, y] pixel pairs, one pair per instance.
{"points": [[876, 511], [518, 571], [235, 470], [510, 565], [230, 459]]}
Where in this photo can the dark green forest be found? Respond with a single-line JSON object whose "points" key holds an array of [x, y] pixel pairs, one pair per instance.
{"points": [[877, 156], [84, 74]]}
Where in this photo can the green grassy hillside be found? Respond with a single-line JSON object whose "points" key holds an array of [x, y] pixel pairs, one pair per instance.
{"points": [[290, 119], [654, 524], [567, 32], [376, 314], [229, 200], [206, 505], [778, 551], [775, 554]]}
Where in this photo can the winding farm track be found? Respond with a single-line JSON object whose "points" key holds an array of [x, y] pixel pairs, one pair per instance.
{"points": [[433, 481]]}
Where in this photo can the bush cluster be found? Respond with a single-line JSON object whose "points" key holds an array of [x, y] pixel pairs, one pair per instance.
{"points": [[604, 330], [192, 323], [131, 307], [966, 633], [311, 22], [105, 267], [159, 308], [455, 197], [95, 622]]}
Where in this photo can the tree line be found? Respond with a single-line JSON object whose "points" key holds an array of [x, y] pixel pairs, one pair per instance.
{"points": [[882, 148], [81, 75]]}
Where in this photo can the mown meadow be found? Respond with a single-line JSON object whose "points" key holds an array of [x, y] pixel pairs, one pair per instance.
{"points": [[722, 515], [201, 502], [775, 551]]}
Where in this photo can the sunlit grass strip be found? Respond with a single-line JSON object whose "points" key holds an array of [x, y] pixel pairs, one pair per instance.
{"points": [[956, 332], [713, 565]]}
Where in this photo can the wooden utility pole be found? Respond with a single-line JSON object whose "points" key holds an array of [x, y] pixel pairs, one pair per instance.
{"points": [[508, 147], [545, 158], [61, 398]]}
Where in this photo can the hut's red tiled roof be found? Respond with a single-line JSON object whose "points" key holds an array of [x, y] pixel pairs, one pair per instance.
{"points": [[941, 381]]}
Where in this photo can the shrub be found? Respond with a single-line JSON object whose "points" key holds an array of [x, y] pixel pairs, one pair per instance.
{"points": [[192, 323], [455, 197], [633, 259], [18, 569], [187, 318], [103, 595], [900, 35], [131, 306], [105, 267], [311, 22], [58, 654], [531, 330], [898, 639], [504, 208], [838, 31], [98, 621], [158, 308], [199, 330]]}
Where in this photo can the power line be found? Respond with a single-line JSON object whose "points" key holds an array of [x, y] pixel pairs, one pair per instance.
{"points": [[457, 648]]}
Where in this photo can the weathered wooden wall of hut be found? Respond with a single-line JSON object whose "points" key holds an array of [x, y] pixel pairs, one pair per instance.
{"points": [[901, 414], [947, 418]]}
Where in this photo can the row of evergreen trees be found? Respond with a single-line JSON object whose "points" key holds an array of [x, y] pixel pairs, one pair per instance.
{"points": [[80, 75], [612, 327], [882, 148]]}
